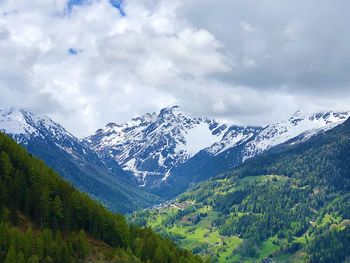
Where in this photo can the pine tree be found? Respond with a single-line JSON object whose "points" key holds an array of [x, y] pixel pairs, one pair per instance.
{"points": [[44, 206], [33, 259], [57, 212], [20, 258], [39, 248], [83, 245], [28, 242], [11, 255], [5, 166], [161, 255]]}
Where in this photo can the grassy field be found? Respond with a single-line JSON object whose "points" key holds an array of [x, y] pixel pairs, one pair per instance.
{"points": [[202, 236], [205, 239]]}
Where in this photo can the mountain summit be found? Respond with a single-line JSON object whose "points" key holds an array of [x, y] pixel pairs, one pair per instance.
{"points": [[299, 124], [170, 150], [151, 145], [22, 125], [164, 152], [74, 160]]}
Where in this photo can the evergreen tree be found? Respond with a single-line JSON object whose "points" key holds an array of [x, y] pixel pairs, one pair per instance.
{"points": [[57, 212], [33, 259], [20, 258], [5, 166], [11, 255]]}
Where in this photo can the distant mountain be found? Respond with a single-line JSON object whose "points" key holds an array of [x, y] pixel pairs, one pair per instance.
{"points": [[169, 151], [305, 125], [150, 146], [291, 203], [75, 161], [210, 162]]}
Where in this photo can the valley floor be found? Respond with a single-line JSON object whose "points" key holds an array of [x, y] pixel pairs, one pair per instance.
{"points": [[201, 235], [198, 226]]}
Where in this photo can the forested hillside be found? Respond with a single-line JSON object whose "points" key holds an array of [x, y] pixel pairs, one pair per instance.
{"points": [[292, 204], [44, 219], [74, 161]]}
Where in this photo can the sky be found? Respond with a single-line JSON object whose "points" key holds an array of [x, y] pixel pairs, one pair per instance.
{"points": [[85, 63]]}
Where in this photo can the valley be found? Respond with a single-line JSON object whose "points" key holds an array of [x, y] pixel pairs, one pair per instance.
{"points": [[43, 218], [169, 151], [194, 225], [272, 194], [189, 131], [289, 215]]}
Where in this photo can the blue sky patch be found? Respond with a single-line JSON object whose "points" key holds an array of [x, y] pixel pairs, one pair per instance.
{"points": [[72, 3], [119, 4], [73, 51]]}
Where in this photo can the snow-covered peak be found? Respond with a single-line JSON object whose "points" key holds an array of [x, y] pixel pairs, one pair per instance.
{"points": [[22, 124], [152, 145], [234, 136], [197, 138], [156, 142], [32, 130], [298, 124], [12, 121]]}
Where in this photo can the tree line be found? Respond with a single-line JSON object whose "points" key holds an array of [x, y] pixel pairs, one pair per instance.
{"points": [[44, 219]]}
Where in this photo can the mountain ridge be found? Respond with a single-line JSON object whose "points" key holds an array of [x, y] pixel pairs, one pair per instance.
{"points": [[43, 218], [75, 161], [289, 204], [167, 153], [164, 153], [154, 143]]}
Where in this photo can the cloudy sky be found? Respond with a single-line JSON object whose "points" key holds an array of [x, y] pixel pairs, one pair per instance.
{"points": [[89, 62]]}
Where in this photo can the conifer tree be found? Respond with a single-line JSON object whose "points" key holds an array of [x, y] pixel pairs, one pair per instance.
{"points": [[11, 255]]}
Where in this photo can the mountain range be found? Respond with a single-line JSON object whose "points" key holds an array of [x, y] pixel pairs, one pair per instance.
{"points": [[170, 150], [229, 192], [289, 204], [156, 156], [72, 159]]}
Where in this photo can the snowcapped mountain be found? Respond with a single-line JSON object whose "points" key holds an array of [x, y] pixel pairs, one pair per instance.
{"points": [[26, 127], [151, 145], [234, 149], [164, 152], [23, 125], [168, 149], [234, 136], [305, 125], [73, 160]]}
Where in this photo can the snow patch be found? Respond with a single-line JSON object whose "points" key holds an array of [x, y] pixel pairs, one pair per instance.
{"points": [[298, 124], [13, 122], [197, 139]]}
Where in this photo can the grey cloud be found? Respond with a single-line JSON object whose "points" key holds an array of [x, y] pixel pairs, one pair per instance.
{"points": [[304, 46], [3, 35], [246, 61]]}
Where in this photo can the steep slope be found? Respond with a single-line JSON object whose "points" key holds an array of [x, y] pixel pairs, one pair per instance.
{"points": [[44, 219], [232, 151], [291, 204], [171, 151], [152, 145], [298, 124], [73, 160]]}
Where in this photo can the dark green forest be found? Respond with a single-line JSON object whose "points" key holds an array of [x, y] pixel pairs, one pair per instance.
{"points": [[44, 219], [291, 204]]}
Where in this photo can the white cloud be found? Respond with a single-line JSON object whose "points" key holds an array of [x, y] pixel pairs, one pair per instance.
{"points": [[125, 65], [247, 61], [247, 27]]}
